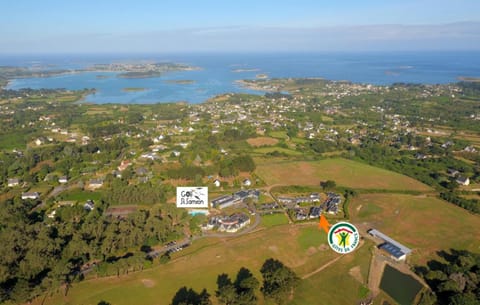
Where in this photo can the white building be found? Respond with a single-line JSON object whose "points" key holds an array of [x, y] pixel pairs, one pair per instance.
{"points": [[463, 181]]}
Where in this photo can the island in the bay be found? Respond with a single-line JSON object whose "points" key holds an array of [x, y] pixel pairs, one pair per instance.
{"points": [[180, 81], [134, 89]]}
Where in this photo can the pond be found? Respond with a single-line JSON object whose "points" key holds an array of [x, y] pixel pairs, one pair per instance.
{"points": [[401, 287]]}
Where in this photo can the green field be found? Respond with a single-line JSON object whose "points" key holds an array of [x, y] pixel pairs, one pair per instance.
{"points": [[278, 134], [311, 236], [271, 220], [198, 267], [266, 150], [344, 172], [80, 195], [426, 224], [335, 284], [16, 140]]}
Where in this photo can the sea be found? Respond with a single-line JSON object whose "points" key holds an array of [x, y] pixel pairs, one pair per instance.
{"points": [[219, 72]]}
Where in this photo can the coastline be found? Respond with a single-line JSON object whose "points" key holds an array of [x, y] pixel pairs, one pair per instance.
{"points": [[469, 79]]}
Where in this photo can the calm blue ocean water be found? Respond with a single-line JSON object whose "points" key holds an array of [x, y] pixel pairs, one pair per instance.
{"points": [[217, 75]]}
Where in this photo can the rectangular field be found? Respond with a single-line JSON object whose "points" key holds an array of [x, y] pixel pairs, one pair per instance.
{"points": [[344, 172], [271, 220]]}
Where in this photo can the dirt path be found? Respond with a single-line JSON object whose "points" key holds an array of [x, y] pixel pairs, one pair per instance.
{"points": [[333, 261], [306, 276], [375, 273]]}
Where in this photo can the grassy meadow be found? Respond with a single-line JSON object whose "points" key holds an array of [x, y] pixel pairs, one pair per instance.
{"points": [[344, 172], [426, 224], [344, 282]]}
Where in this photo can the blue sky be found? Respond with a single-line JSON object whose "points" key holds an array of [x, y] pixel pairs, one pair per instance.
{"points": [[53, 26]]}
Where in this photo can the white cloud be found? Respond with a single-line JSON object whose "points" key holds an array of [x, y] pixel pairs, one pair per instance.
{"points": [[459, 36]]}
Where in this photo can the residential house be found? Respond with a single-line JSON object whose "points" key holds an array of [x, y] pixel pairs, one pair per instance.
{"points": [[151, 156], [39, 141], [315, 212], [300, 214], [30, 195], [124, 164], [141, 171], [470, 149], [463, 181], [452, 172], [94, 184], [89, 205], [233, 223], [13, 182]]}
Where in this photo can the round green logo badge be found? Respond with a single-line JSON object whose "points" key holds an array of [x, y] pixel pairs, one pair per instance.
{"points": [[343, 237]]}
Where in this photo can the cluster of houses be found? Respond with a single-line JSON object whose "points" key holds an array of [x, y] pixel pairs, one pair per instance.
{"points": [[461, 180], [235, 198], [330, 205], [294, 201], [230, 224], [269, 206], [304, 213]]}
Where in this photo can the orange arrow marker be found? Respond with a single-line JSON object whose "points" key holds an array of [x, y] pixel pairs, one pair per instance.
{"points": [[323, 224]]}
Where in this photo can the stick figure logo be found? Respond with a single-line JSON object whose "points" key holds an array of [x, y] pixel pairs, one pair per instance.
{"points": [[343, 237]]}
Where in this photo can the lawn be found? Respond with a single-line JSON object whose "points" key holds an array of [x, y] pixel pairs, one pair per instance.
{"points": [[198, 267], [262, 141], [311, 236], [271, 220], [278, 134], [344, 172], [426, 224]]}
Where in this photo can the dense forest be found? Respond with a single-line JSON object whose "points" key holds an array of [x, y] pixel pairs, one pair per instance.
{"points": [[39, 254], [453, 281]]}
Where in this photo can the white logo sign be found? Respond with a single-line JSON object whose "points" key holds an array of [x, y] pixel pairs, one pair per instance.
{"points": [[192, 197]]}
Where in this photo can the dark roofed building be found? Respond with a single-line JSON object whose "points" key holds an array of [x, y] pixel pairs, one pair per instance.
{"points": [[238, 197], [394, 251]]}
